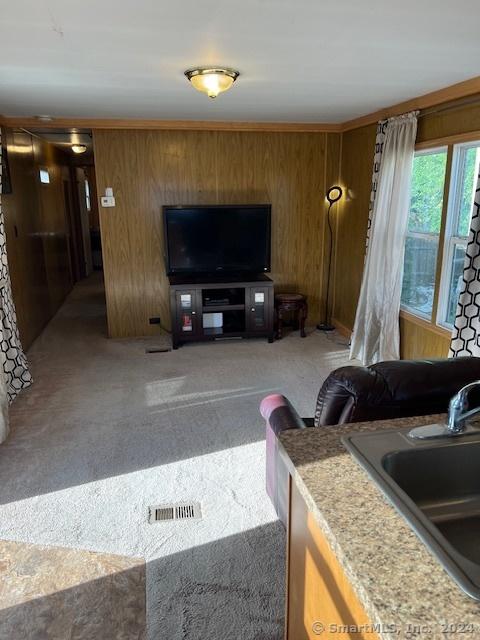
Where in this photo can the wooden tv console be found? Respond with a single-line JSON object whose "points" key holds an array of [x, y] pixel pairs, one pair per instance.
{"points": [[219, 308]]}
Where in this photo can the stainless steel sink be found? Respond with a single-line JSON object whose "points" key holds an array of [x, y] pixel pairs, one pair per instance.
{"points": [[435, 485]]}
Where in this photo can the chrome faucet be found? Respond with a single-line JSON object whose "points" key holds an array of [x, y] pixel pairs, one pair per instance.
{"points": [[458, 412], [458, 415]]}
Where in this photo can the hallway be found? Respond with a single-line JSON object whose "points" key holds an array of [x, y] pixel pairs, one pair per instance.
{"points": [[107, 430]]}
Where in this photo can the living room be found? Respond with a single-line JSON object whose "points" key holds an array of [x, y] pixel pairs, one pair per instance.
{"points": [[214, 224]]}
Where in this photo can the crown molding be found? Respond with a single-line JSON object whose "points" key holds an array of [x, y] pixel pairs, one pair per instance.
{"points": [[432, 99], [170, 125]]}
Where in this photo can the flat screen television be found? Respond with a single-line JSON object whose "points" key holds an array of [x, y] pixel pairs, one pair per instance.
{"points": [[217, 239]]}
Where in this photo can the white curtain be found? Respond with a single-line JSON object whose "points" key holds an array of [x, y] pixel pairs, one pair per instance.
{"points": [[466, 330], [376, 334]]}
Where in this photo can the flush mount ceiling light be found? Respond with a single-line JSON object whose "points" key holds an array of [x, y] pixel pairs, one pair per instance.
{"points": [[79, 148], [212, 81]]}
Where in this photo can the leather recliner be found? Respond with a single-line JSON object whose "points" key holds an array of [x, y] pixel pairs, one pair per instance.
{"points": [[387, 390]]}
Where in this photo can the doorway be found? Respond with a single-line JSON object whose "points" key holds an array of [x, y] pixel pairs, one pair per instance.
{"points": [[80, 198]]}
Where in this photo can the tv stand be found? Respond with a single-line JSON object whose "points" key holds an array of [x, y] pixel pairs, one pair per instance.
{"points": [[220, 307]]}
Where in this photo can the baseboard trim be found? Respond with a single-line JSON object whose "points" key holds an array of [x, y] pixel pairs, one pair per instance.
{"points": [[342, 329]]}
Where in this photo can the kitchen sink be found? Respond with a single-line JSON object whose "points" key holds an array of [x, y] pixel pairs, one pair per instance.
{"points": [[435, 485]]}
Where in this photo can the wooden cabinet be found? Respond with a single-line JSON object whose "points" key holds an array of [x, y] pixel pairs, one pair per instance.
{"points": [[259, 302], [221, 308], [187, 312], [321, 602]]}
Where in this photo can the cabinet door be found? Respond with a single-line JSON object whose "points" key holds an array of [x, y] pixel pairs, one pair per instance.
{"points": [[259, 309], [187, 313], [320, 599]]}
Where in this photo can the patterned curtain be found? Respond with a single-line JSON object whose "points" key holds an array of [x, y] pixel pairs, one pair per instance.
{"points": [[15, 367], [466, 330], [377, 160]]}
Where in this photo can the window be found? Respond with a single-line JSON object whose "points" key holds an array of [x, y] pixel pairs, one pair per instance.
{"points": [[462, 192], [426, 225], [423, 232], [44, 176], [87, 196]]}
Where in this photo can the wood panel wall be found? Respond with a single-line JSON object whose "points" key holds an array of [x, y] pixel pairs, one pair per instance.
{"points": [[417, 340], [351, 221], [449, 123], [149, 169], [36, 228]]}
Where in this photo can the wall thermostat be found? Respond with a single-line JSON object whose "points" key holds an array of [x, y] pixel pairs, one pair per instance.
{"points": [[108, 200]]}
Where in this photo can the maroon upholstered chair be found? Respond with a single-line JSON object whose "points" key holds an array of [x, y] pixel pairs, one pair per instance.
{"points": [[279, 415]]}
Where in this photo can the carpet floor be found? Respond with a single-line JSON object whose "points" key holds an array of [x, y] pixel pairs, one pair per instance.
{"points": [[108, 430]]}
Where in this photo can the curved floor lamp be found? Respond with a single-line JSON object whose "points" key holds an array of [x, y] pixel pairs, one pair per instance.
{"points": [[333, 195]]}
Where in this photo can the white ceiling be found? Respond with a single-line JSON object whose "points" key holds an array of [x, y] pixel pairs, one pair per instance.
{"points": [[300, 60]]}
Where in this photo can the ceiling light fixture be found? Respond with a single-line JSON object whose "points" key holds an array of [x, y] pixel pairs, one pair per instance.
{"points": [[79, 148], [212, 81]]}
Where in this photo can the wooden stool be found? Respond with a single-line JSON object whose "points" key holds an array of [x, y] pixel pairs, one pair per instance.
{"points": [[286, 302]]}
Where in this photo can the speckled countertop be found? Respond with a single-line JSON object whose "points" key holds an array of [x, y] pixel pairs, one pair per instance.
{"points": [[399, 583]]}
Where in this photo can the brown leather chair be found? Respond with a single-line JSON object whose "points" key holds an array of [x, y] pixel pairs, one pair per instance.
{"points": [[395, 389]]}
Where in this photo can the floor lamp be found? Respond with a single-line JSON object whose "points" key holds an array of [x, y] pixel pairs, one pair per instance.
{"points": [[333, 195]]}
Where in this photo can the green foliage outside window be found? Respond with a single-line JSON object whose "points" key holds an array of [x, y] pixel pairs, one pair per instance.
{"points": [[468, 181], [427, 192]]}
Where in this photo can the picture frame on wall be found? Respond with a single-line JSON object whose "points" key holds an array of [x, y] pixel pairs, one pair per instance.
{"points": [[6, 181]]}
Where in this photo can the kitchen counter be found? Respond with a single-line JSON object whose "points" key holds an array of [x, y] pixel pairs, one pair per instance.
{"points": [[403, 589]]}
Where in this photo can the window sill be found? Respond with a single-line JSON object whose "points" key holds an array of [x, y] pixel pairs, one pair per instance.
{"points": [[425, 324]]}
